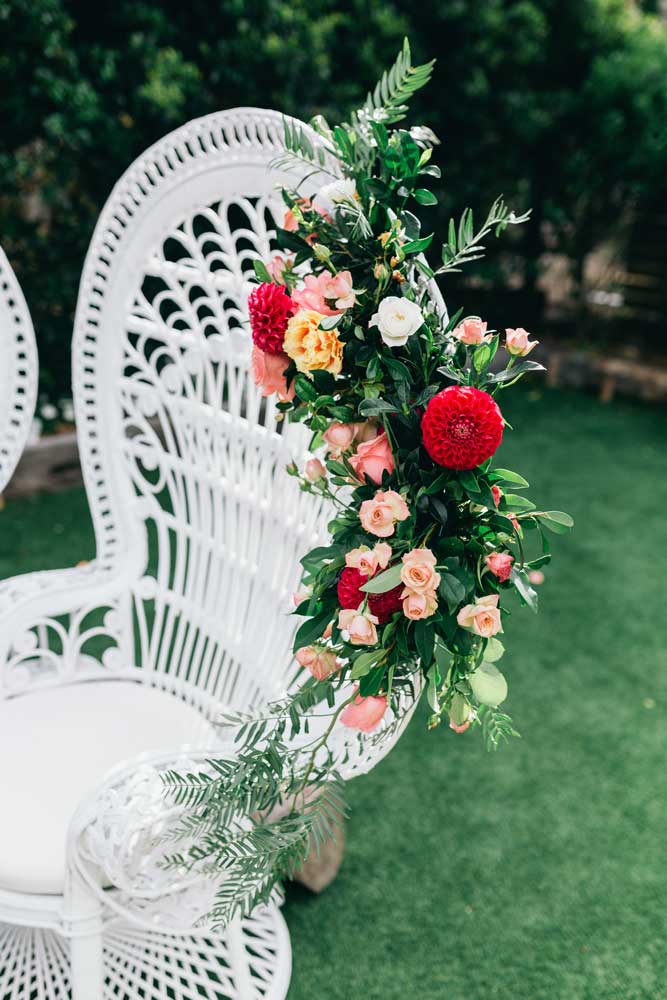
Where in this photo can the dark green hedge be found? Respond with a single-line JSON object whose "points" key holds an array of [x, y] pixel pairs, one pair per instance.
{"points": [[560, 104]]}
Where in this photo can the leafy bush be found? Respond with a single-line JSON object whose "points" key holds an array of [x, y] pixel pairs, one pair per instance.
{"points": [[559, 103]]}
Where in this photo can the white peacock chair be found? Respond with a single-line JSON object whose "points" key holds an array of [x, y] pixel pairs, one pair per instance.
{"points": [[183, 612], [18, 371]]}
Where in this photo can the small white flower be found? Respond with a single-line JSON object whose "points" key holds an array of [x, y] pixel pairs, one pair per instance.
{"points": [[397, 319], [334, 193], [48, 411]]}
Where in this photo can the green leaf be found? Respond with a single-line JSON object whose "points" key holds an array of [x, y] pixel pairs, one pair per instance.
{"points": [[512, 373], [372, 407], [468, 481], [488, 685], [481, 357], [494, 650], [515, 502], [557, 521], [507, 476], [364, 663], [418, 246], [385, 581], [305, 389], [451, 590], [424, 640], [311, 630], [261, 271], [425, 197], [526, 592], [432, 688]]}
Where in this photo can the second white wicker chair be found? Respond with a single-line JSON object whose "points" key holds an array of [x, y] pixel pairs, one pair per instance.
{"points": [[18, 371]]}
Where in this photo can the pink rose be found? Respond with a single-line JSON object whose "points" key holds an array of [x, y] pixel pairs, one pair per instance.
{"points": [[471, 331], [418, 605], [379, 515], [517, 342], [418, 572], [276, 268], [500, 564], [339, 437], [321, 663], [339, 289], [268, 373], [536, 577], [497, 494], [369, 561], [314, 470], [483, 617], [372, 458], [360, 626], [314, 294], [365, 714]]}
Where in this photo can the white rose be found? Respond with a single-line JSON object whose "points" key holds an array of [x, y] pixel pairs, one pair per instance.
{"points": [[334, 193], [397, 319]]}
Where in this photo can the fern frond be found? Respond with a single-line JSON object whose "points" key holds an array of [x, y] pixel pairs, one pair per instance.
{"points": [[389, 101]]}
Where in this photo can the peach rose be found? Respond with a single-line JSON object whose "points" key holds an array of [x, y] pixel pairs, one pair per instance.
{"points": [[339, 437], [472, 331], [379, 515], [418, 605], [314, 470], [309, 347], [268, 374], [321, 663], [517, 342], [365, 714], [369, 561], [483, 617], [360, 626], [418, 572], [372, 458], [500, 564]]}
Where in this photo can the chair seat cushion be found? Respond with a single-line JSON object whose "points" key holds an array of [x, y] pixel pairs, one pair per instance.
{"points": [[56, 745]]}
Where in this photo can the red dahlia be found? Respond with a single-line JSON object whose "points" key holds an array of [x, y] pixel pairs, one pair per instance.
{"points": [[462, 427], [350, 595], [270, 307]]}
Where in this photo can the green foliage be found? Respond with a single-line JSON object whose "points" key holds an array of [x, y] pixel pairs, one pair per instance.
{"points": [[559, 103]]}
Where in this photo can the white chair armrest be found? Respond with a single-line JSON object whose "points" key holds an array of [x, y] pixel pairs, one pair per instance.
{"points": [[46, 619], [121, 835]]}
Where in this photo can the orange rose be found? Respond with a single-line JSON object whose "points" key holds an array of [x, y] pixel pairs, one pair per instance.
{"points": [[311, 348]]}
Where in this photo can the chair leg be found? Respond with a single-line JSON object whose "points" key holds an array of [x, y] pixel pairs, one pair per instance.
{"points": [[86, 955]]}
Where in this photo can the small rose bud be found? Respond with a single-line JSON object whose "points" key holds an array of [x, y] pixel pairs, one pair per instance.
{"points": [[314, 470], [460, 713], [321, 252], [397, 276]]}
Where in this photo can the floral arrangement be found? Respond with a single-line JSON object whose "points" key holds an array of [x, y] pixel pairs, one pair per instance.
{"points": [[428, 535]]}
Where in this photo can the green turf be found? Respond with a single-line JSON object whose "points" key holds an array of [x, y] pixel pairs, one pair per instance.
{"points": [[539, 872]]}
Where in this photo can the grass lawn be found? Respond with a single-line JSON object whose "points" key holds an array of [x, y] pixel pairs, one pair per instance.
{"points": [[538, 872]]}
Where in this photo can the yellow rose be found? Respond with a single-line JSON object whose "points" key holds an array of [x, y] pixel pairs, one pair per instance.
{"points": [[310, 348]]}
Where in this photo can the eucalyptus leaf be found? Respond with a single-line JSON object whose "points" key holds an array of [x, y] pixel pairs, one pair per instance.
{"points": [[385, 581]]}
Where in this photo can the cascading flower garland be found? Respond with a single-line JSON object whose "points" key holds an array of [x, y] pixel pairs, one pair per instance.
{"points": [[428, 536]]}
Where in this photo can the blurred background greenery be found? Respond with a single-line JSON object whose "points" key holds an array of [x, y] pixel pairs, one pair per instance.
{"points": [[559, 104]]}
